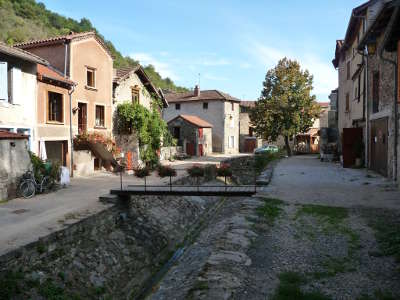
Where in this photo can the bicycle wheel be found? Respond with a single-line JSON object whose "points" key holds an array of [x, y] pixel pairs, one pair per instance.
{"points": [[27, 189], [47, 184]]}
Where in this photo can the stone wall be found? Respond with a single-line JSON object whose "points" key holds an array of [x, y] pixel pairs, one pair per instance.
{"points": [[14, 162], [112, 253], [167, 153]]}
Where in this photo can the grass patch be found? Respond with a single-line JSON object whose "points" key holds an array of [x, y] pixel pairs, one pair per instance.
{"points": [[387, 233], [270, 210], [289, 288], [330, 214]]}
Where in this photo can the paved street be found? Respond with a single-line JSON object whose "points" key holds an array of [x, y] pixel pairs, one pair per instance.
{"points": [[25, 220], [306, 180]]}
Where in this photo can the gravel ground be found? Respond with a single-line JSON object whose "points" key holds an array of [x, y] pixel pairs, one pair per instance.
{"points": [[250, 242]]}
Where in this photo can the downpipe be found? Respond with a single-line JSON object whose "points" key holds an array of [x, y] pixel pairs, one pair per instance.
{"points": [[395, 100], [70, 130]]}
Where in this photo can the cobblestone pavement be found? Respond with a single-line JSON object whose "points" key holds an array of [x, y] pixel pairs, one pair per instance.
{"points": [[251, 244]]}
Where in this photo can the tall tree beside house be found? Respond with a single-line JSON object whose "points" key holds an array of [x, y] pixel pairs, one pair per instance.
{"points": [[286, 106]]}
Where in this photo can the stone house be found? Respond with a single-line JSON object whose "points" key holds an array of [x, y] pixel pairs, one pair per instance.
{"points": [[53, 114], [381, 46], [247, 139], [18, 88], [132, 85], [352, 78], [217, 108], [84, 59], [14, 162], [193, 133]]}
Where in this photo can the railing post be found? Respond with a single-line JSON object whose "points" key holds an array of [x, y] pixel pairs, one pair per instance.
{"points": [[225, 183], [255, 180], [170, 183], [145, 183], [120, 177]]}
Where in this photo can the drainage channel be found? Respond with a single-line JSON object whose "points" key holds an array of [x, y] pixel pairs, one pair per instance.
{"points": [[192, 235]]}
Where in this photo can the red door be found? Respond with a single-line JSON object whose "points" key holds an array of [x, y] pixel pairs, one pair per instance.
{"points": [[351, 136], [249, 145], [190, 149], [201, 150]]}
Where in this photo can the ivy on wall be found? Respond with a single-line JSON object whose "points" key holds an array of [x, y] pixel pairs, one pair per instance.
{"points": [[150, 128]]}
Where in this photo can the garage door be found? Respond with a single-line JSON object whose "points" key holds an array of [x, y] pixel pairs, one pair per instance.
{"points": [[379, 148]]}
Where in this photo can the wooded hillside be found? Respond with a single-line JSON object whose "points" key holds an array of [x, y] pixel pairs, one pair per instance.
{"points": [[22, 20]]}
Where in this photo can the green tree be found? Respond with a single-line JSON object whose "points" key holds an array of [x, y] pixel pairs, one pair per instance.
{"points": [[286, 106]]}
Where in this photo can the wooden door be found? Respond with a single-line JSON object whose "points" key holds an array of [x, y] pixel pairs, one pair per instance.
{"points": [[201, 150], [190, 149], [351, 136], [379, 146], [82, 117], [249, 145]]}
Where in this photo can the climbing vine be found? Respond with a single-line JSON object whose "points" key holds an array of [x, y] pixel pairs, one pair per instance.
{"points": [[149, 127]]}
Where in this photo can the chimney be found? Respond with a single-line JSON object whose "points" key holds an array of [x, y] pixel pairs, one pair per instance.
{"points": [[196, 91]]}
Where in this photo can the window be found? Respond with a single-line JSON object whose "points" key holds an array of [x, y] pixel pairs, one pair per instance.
{"points": [[231, 142], [205, 105], [177, 106], [3, 81], [251, 131], [55, 107], [135, 95], [347, 102], [91, 77], [232, 106], [375, 92], [177, 133], [348, 70], [99, 116]]}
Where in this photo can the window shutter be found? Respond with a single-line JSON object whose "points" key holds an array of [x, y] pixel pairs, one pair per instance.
{"points": [[16, 79], [3, 81]]}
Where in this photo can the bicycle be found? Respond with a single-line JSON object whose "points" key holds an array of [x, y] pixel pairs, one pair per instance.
{"points": [[29, 186]]}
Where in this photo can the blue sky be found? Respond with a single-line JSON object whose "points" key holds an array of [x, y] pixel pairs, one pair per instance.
{"points": [[231, 43]]}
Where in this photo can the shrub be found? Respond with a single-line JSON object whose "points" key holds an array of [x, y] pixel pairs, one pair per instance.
{"points": [[166, 171], [210, 172], [224, 170], [38, 166], [142, 172], [195, 171]]}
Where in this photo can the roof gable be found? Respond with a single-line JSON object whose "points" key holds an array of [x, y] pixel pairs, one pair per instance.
{"points": [[22, 54], [194, 120], [205, 95]]}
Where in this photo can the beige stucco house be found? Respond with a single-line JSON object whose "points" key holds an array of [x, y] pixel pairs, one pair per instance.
{"points": [[18, 89], [53, 114], [217, 108], [85, 60]]}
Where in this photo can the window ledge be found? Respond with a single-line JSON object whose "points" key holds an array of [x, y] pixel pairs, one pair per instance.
{"points": [[90, 88], [99, 127], [55, 123]]}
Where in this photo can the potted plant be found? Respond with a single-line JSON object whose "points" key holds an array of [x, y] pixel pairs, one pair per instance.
{"points": [[142, 173], [196, 172], [166, 171]]}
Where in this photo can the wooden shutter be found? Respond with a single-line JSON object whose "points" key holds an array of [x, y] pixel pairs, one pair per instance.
{"points": [[398, 71], [16, 89], [3, 81]]}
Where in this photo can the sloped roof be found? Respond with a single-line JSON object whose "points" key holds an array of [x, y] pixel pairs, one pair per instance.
{"points": [[22, 54], [7, 135], [73, 36], [248, 103], [123, 73], [208, 95], [195, 120], [324, 104], [52, 74]]}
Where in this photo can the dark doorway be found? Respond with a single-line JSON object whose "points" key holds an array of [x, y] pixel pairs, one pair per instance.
{"points": [[177, 133], [352, 137], [379, 148], [190, 149], [57, 152], [82, 117]]}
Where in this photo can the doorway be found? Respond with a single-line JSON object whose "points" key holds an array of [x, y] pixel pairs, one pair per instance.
{"points": [[379, 146], [82, 117]]}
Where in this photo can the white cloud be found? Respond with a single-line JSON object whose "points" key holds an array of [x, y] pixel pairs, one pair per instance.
{"points": [[325, 77], [214, 78], [161, 67]]}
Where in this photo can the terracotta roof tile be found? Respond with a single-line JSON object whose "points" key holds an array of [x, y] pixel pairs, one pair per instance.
{"points": [[62, 38], [53, 74], [7, 135], [22, 54], [195, 120], [248, 103], [173, 97]]}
